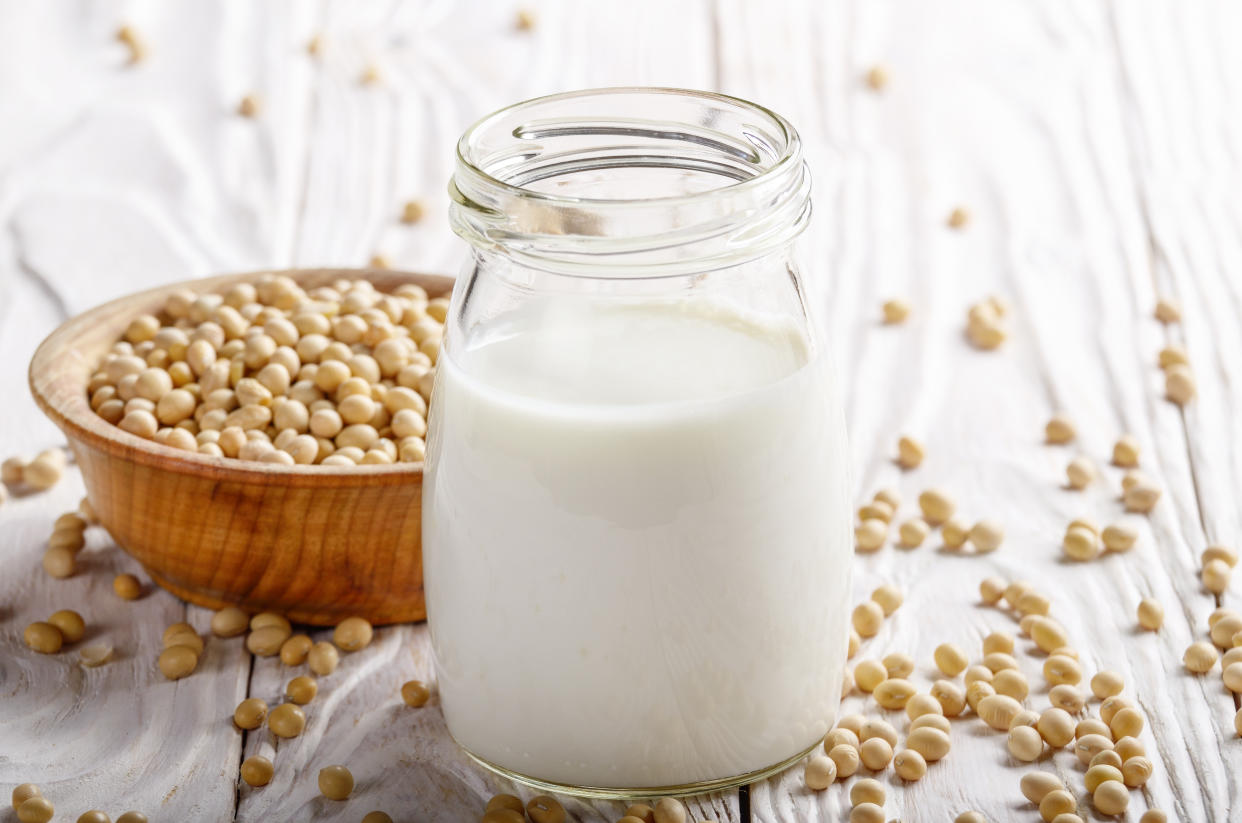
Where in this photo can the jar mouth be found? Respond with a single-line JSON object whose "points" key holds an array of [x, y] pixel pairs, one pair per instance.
{"points": [[645, 181]]}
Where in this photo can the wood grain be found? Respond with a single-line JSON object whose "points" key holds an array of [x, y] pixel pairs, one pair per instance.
{"points": [[1095, 145], [1039, 155]]}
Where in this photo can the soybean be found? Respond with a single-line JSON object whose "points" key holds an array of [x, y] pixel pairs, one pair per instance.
{"points": [[867, 790], [1036, 786], [931, 743], [286, 720], [415, 693], [1080, 472], [954, 532], [177, 662], [909, 765], [43, 638], [1056, 727], [1106, 684], [910, 453], [127, 587], [937, 506], [986, 535], [846, 758], [1111, 797], [867, 813], [1056, 802], [913, 532], [878, 728], [335, 782], [323, 658], [1025, 743], [257, 770], [250, 713], [1059, 430], [868, 617], [893, 693], [1126, 451], [294, 651], [24, 792], [37, 809], [889, 598], [1200, 657], [870, 534], [302, 690], [229, 622]]}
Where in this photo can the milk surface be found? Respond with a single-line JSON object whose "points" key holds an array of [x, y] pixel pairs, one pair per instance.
{"points": [[636, 542]]}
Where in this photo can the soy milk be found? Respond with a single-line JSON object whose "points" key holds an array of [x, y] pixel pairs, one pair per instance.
{"points": [[636, 542]]}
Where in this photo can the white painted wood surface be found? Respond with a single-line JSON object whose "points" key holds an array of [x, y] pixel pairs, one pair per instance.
{"points": [[1097, 146]]}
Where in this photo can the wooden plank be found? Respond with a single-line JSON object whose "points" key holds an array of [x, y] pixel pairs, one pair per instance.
{"points": [[1059, 233], [1195, 247], [120, 736], [1195, 250]]}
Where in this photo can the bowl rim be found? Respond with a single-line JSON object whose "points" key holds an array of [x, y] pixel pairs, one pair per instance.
{"points": [[72, 413]]}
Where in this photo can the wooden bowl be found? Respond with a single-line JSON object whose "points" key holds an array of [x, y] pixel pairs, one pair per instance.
{"points": [[315, 543]]}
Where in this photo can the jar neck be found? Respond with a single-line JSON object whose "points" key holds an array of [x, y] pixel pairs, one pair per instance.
{"points": [[631, 183]]}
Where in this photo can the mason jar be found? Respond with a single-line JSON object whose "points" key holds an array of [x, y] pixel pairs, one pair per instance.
{"points": [[636, 525]]}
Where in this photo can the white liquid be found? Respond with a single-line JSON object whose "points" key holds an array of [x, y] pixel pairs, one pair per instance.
{"points": [[636, 544]]}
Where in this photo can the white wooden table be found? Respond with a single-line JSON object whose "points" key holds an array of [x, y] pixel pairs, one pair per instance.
{"points": [[1097, 145]]}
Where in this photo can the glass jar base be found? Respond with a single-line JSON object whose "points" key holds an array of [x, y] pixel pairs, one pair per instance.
{"points": [[643, 793]]}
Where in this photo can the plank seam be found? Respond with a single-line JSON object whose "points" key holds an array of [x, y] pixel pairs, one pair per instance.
{"points": [[1157, 260], [34, 275], [241, 756]]}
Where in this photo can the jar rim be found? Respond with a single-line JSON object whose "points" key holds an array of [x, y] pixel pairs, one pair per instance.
{"points": [[791, 153], [698, 135]]}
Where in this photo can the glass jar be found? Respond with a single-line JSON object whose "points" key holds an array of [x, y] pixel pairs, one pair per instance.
{"points": [[636, 525]]}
